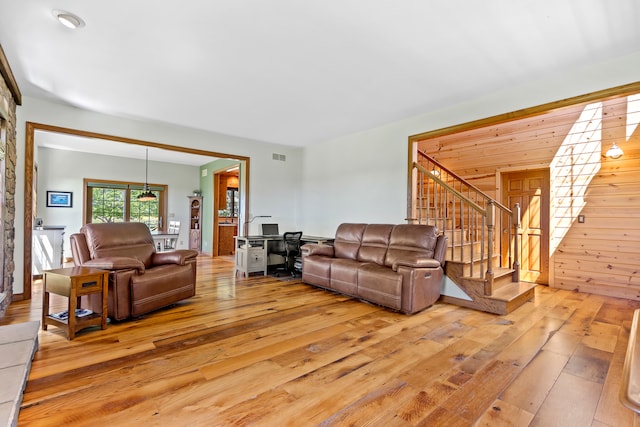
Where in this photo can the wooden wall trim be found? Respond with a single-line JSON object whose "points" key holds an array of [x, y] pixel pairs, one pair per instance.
{"points": [[10, 80], [28, 211], [123, 139], [600, 95]]}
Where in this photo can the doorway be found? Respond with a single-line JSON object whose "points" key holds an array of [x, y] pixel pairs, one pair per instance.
{"points": [[226, 210], [29, 200], [530, 189]]}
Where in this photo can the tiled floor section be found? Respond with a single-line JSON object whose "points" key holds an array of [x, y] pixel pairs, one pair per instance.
{"points": [[18, 344]]}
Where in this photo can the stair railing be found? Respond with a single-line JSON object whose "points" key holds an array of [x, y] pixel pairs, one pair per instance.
{"points": [[470, 218]]}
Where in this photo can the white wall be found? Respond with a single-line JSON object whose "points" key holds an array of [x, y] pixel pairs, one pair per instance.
{"points": [[358, 177], [275, 187], [60, 170], [363, 177]]}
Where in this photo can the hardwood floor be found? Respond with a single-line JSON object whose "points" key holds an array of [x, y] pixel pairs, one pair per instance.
{"points": [[266, 352]]}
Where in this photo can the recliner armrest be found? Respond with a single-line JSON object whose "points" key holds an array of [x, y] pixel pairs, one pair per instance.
{"points": [[417, 261], [317, 249], [115, 263], [180, 257]]}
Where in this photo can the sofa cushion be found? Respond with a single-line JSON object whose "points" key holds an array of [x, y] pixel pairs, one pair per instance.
{"points": [[316, 270], [157, 288], [380, 285], [348, 240], [344, 276], [409, 240], [375, 241], [128, 239]]}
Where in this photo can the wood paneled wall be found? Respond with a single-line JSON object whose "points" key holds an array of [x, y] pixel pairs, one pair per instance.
{"points": [[601, 255]]}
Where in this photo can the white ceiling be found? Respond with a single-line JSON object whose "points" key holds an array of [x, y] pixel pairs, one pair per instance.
{"points": [[299, 72]]}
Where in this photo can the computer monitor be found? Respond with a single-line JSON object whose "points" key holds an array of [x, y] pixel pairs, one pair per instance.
{"points": [[270, 230]]}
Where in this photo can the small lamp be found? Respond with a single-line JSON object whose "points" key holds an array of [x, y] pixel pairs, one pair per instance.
{"points": [[257, 216], [246, 223], [614, 152]]}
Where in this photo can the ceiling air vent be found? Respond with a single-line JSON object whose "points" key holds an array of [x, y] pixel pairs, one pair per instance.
{"points": [[280, 157]]}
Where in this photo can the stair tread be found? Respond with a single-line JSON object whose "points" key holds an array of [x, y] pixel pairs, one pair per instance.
{"points": [[467, 259], [512, 291], [497, 273], [456, 244]]}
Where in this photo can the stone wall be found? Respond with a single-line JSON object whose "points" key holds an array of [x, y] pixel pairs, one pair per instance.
{"points": [[6, 287]]}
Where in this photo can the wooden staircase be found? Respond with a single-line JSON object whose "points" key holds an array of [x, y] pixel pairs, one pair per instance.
{"points": [[504, 294], [481, 272]]}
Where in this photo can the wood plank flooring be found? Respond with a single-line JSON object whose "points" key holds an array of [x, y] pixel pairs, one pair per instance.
{"points": [[266, 352]]}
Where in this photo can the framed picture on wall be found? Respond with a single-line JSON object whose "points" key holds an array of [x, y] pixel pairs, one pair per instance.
{"points": [[59, 199]]}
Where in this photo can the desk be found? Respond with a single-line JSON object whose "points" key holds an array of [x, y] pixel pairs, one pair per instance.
{"points": [[252, 252]]}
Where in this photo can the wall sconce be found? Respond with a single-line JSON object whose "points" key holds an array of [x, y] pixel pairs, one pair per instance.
{"points": [[614, 152]]}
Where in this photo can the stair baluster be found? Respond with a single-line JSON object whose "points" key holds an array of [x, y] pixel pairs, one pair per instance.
{"points": [[471, 218]]}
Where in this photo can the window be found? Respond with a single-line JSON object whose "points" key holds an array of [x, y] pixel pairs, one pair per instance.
{"points": [[233, 203], [112, 201]]}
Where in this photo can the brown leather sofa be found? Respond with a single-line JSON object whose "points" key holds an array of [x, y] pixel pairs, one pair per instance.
{"points": [[140, 279], [396, 266]]}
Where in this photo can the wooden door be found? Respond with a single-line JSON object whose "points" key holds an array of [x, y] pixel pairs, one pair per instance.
{"points": [[531, 190]]}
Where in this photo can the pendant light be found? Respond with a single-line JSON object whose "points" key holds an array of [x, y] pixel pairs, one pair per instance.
{"points": [[146, 195]]}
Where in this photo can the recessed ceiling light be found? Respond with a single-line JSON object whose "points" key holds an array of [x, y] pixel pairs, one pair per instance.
{"points": [[68, 19]]}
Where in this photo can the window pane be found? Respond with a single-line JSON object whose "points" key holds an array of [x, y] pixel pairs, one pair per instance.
{"points": [[147, 212], [107, 205], [233, 201], [236, 202]]}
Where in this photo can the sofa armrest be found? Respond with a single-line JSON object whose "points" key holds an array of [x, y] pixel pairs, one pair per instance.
{"points": [[115, 263], [440, 252], [180, 257], [417, 261], [317, 249]]}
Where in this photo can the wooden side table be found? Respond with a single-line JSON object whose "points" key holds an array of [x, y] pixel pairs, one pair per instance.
{"points": [[73, 283]]}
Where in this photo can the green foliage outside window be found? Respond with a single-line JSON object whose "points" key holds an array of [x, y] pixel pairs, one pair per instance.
{"points": [[110, 205], [107, 205], [233, 203], [147, 212]]}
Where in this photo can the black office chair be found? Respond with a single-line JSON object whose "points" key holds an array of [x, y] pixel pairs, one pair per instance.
{"points": [[290, 250]]}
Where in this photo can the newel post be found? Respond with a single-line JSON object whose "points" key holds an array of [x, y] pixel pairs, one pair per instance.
{"points": [[488, 277], [516, 256]]}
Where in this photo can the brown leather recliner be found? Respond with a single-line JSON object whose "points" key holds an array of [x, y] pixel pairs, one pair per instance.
{"points": [[396, 266], [140, 279]]}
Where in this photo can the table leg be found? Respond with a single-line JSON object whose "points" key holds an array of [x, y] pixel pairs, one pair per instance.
{"points": [[71, 320], [45, 307], [105, 287]]}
